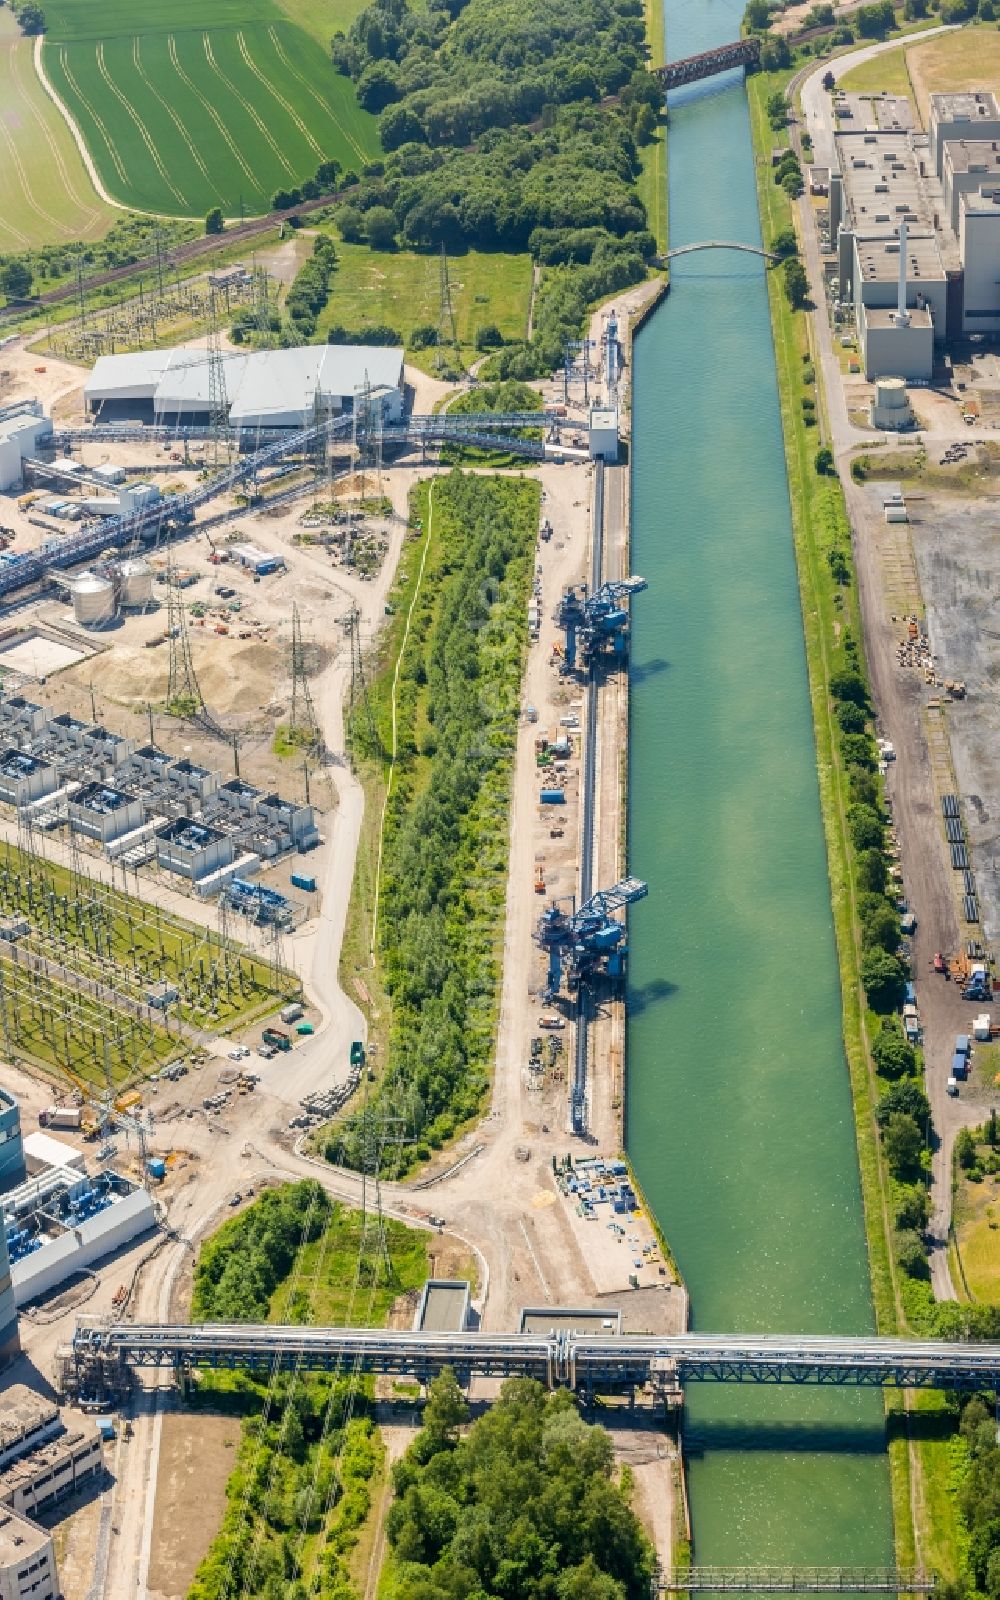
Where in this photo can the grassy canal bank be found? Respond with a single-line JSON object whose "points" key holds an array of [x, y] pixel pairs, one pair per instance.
{"points": [[921, 1457]]}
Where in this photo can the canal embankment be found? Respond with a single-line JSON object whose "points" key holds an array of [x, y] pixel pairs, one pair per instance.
{"points": [[739, 1114]]}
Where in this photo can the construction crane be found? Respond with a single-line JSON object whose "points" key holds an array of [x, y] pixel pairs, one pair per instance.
{"points": [[590, 940], [596, 624]]}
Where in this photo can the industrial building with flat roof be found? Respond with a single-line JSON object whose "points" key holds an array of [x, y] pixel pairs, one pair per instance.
{"points": [[27, 1560], [265, 389], [936, 196], [41, 1462], [12, 1166], [102, 813], [20, 436], [61, 1221]]}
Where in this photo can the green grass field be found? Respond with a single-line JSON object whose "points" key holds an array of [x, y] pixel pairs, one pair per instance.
{"points": [[402, 288], [202, 105], [45, 193]]}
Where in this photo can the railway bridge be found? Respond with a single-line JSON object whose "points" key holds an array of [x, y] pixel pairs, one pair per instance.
{"points": [[707, 64]]}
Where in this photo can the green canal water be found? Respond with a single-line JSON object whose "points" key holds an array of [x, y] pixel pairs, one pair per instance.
{"points": [[739, 1116]]}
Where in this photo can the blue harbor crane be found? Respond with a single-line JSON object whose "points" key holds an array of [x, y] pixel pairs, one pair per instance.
{"points": [[590, 940], [596, 624]]}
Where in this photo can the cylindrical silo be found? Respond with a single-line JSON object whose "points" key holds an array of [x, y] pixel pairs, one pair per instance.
{"points": [[93, 600], [135, 584], [890, 394]]}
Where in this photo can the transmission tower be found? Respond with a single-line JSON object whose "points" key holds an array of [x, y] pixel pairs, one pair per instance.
{"points": [[303, 725], [359, 702], [367, 426], [184, 696], [261, 302], [447, 332], [218, 400]]}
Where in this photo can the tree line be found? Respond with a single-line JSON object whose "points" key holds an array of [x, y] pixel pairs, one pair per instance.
{"points": [[445, 839]]}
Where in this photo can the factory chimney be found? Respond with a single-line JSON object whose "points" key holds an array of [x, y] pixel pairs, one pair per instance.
{"points": [[902, 315]]}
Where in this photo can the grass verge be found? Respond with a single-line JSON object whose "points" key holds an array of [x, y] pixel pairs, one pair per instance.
{"points": [[653, 189]]}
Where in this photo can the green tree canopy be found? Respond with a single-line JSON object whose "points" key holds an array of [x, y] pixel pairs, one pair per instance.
{"points": [[883, 977], [524, 1506], [903, 1143]]}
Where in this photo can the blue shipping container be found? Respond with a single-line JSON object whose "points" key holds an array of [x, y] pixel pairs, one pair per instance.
{"points": [[962, 1044], [552, 797], [959, 1065], [299, 881]]}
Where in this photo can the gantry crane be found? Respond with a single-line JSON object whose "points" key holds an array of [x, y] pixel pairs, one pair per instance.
{"points": [[590, 940], [596, 624]]}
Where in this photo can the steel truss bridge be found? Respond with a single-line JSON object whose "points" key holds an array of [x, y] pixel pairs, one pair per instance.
{"points": [[692, 69], [490, 430], [795, 1580], [586, 1363]]}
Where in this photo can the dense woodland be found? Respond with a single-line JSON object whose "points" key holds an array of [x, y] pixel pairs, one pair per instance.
{"points": [[526, 1505], [498, 135], [445, 845]]}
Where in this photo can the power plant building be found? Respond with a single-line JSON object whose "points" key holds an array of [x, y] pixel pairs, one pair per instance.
{"points": [[193, 849], [12, 1160], [263, 390], [61, 1221], [933, 197], [22, 430], [10, 1339]]}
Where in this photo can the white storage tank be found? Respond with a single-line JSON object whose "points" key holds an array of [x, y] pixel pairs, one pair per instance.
{"points": [[93, 600], [891, 409], [136, 583]]}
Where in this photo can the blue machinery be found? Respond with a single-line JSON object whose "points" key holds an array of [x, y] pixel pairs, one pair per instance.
{"points": [[596, 625], [587, 1363], [590, 940]]}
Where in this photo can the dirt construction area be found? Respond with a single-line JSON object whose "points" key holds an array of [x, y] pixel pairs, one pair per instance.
{"points": [[194, 1467]]}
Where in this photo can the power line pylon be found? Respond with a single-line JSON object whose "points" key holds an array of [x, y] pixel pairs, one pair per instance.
{"points": [[367, 423], [447, 332], [359, 703], [184, 696], [303, 723], [218, 399]]}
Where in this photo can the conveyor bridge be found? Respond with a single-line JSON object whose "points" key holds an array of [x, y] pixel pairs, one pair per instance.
{"points": [[490, 430], [578, 1361]]}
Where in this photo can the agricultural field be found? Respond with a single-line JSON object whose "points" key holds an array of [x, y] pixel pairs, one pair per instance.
{"points": [[214, 104], [46, 195]]}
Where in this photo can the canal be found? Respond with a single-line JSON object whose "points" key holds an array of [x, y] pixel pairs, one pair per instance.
{"points": [[739, 1115]]}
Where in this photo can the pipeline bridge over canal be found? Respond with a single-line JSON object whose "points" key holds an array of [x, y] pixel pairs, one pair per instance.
{"points": [[584, 1362]]}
